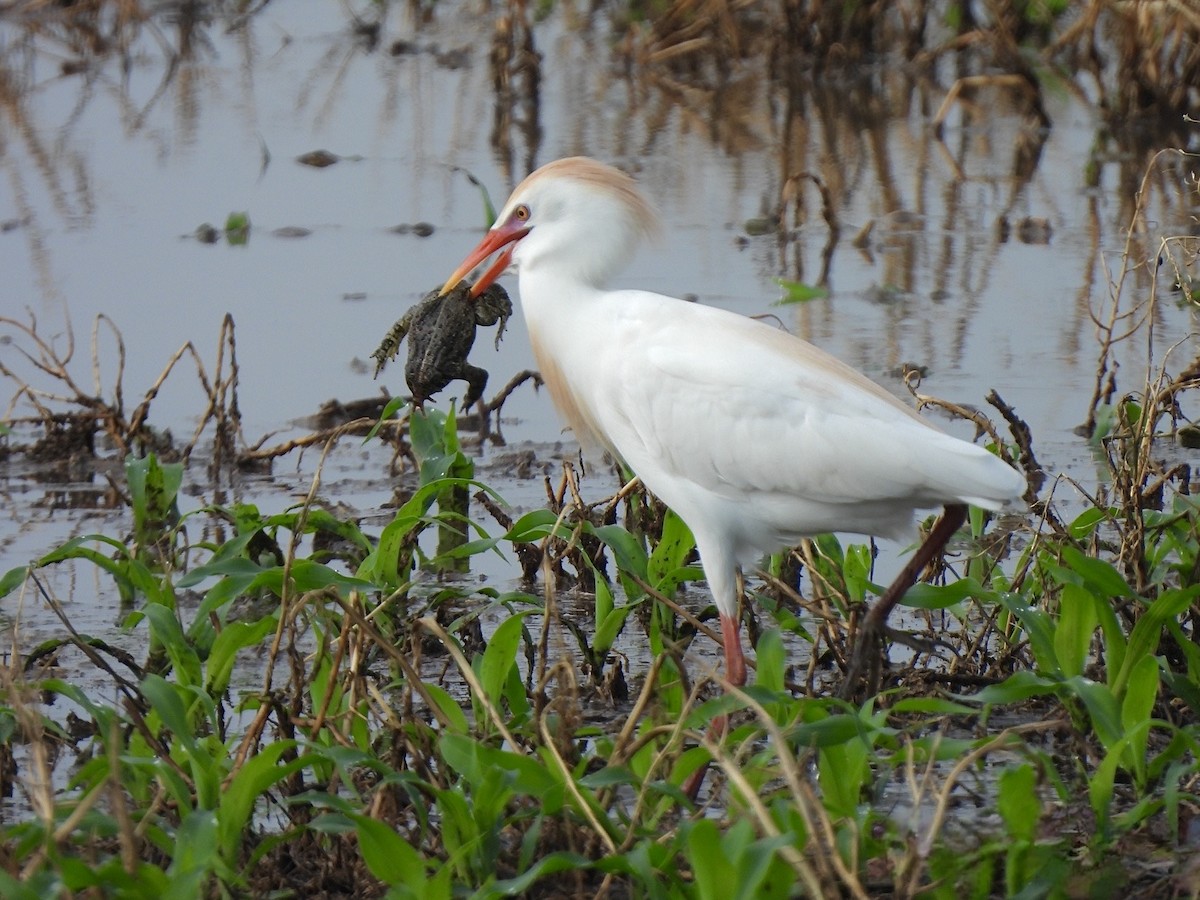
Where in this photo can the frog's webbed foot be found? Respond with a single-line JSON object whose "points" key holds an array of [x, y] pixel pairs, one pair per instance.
{"points": [[493, 306], [500, 330], [391, 342], [476, 379]]}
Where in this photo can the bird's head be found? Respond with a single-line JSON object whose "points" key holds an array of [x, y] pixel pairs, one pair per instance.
{"points": [[579, 216]]}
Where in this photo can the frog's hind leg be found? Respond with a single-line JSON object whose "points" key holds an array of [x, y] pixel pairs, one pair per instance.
{"points": [[476, 379]]}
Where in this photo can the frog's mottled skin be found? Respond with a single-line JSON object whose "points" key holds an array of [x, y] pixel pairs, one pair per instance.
{"points": [[441, 331]]}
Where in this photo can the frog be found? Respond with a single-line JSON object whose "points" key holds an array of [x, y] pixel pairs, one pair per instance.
{"points": [[441, 331]]}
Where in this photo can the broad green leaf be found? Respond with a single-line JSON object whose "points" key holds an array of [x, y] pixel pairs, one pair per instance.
{"points": [[534, 526], [559, 861], [165, 628], [844, 768], [626, 549], [1140, 695], [1144, 638], [798, 292], [462, 754], [608, 629], [1016, 688], [604, 606], [228, 560], [456, 718], [934, 596], [239, 795], [754, 861], [1087, 522], [1017, 801], [232, 638], [672, 551], [1039, 628], [500, 656], [12, 578], [1076, 627], [1098, 573], [932, 705], [1102, 708], [771, 658], [826, 732], [1141, 691], [165, 699], [715, 876], [195, 855], [390, 858]]}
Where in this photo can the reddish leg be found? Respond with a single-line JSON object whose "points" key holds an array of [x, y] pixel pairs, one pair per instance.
{"points": [[865, 661], [735, 674]]}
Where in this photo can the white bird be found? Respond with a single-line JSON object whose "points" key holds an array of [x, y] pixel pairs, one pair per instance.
{"points": [[755, 437]]}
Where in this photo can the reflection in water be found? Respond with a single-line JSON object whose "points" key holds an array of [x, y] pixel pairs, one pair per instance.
{"points": [[516, 67], [946, 163]]}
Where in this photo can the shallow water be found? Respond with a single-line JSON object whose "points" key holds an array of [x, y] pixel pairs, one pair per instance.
{"points": [[109, 170]]}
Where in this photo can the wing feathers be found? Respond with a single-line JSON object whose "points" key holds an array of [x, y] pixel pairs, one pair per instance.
{"points": [[740, 408]]}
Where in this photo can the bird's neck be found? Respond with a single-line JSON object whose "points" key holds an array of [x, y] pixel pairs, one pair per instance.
{"points": [[560, 318]]}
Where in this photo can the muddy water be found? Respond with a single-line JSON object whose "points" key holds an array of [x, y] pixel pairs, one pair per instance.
{"points": [[983, 255]]}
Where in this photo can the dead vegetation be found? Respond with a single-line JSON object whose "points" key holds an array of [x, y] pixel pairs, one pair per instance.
{"points": [[56, 419]]}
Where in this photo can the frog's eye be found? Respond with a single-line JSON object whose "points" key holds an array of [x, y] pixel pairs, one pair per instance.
{"points": [[522, 213]]}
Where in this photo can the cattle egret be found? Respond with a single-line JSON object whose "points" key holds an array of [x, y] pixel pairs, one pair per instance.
{"points": [[754, 437]]}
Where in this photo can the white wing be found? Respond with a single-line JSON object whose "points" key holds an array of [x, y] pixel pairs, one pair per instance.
{"points": [[698, 396]]}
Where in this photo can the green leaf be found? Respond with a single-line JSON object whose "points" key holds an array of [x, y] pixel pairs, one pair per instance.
{"points": [[843, 768], [232, 638], [462, 754], [826, 732], [237, 229], [1085, 524], [1016, 688], [933, 596], [165, 628], [1038, 627], [1102, 708], [195, 856], [12, 578], [672, 552], [1141, 691], [38, 886], [1017, 801], [227, 561], [456, 718], [559, 861], [610, 626], [771, 660], [260, 772], [534, 526], [797, 292], [715, 876], [1143, 640], [1136, 708], [165, 700], [932, 705], [500, 656], [626, 549], [390, 858], [1099, 574], [388, 412], [1077, 622]]}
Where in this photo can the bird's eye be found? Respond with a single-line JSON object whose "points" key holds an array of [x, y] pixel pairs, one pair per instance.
{"points": [[522, 212]]}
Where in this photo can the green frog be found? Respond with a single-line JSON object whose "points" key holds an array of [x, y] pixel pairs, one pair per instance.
{"points": [[441, 332]]}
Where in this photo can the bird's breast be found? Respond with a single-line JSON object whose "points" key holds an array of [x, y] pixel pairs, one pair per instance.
{"points": [[567, 395]]}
